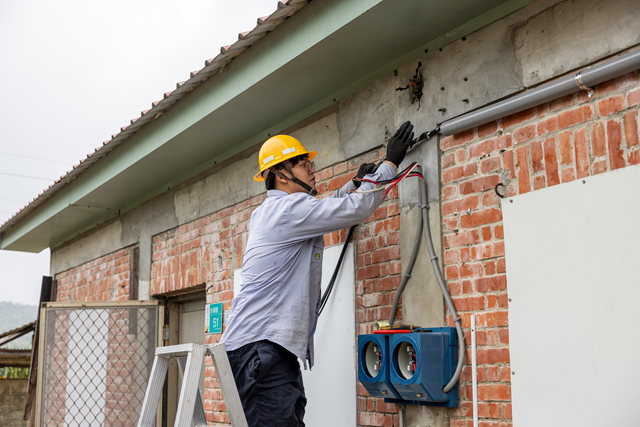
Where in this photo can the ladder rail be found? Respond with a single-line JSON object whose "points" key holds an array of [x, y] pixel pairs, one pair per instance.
{"points": [[154, 391], [190, 405], [227, 383], [199, 418]]}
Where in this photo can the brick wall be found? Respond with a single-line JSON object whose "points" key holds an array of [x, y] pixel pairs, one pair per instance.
{"points": [[564, 140], [207, 251], [103, 279]]}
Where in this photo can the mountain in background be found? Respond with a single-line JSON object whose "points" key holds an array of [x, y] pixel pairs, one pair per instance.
{"points": [[15, 315]]}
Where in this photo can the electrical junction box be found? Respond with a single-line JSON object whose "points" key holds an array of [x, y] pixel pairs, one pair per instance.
{"points": [[410, 368], [373, 365]]}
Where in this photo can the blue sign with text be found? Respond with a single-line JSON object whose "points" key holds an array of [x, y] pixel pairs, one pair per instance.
{"points": [[213, 318]]}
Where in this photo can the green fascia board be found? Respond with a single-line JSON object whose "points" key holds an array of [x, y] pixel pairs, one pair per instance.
{"points": [[312, 25]]}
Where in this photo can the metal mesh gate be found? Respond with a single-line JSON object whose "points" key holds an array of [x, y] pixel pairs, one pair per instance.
{"points": [[96, 361]]}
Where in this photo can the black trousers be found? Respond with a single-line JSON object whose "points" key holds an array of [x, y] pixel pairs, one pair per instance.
{"points": [[270, 385]]}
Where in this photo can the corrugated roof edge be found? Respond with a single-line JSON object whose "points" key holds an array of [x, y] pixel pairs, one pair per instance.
{"points": [[286, 8]]}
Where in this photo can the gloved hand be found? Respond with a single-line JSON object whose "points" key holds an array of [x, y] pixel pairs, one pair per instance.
{"points": [[365, 169], [398, 144]]}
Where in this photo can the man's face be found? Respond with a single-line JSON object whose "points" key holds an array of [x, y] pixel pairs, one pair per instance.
{"points": [[304, 170]]}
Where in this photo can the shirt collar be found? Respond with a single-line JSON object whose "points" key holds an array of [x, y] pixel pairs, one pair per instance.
{"points": [[274, 193]]}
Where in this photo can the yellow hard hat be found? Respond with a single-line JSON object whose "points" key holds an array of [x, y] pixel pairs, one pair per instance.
{"points": [[277, 149]]}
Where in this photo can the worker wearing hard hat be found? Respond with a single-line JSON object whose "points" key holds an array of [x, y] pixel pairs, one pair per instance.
{"points": [[274, 315]]}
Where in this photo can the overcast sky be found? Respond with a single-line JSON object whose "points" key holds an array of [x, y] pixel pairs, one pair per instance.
{"points": [[73, 72]]}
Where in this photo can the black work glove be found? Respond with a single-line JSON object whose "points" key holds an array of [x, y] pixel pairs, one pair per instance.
{"points": [[398, 144], [365, 169]]}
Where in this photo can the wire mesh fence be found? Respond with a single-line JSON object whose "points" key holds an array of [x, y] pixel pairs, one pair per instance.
{"points": [[96, 364]]}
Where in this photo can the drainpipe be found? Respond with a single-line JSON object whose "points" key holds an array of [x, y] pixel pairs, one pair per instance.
{"points": [[583, 80]]}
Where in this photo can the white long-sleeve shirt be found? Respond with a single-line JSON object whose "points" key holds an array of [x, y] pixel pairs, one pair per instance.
{"points": [[281, 273]]}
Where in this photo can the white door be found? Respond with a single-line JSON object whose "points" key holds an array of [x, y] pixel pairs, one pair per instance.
{"points": [[192, 329]]}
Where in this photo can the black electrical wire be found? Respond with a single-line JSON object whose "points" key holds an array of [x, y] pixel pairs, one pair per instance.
{"points": [[325, 297]]}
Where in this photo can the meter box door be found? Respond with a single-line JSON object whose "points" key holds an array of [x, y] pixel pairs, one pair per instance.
{"points": [[422, 363], [373, 366]]}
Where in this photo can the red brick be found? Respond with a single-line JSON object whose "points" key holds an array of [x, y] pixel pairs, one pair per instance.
{"points": [[461, 156], [634, 157], [338, 182], [567, 175], [520, 117], [486, 250], [449, 192], [611, 105], [524, 133], [489, 146], [490, 268], [386, 283], [486, 216], [451, 223], [492, 355], [551, 162], [461, 239], [470, 270], [451, 256], [599, 167], [563, 102], [508, 163], [503, 334], [548, 125], [572, 117], [537, 163], [469, 303], [494, 392], [340, 168], [539, 182], [614, 133], [506, 409], [449, 208], [448, 160], [490, 199], [502, 266], [459, 172], [598, 142], [479, 184], [564, 140], [487, 129], [324, 174], [494, 283], [631, 129], [457, 139], [494, 410], [454, 288], [582, 153], [486, 233], [524, 180], [633, 98], [490, 164], [617, 83]]}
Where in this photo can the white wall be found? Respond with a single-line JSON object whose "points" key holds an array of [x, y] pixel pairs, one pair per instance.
{"points": [[573, 269], [332, 382]]}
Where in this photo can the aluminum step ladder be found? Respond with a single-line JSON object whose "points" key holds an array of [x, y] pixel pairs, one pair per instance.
{"points": [[190, 405]]}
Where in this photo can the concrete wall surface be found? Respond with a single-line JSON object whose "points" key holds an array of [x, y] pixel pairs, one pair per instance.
{"points": [[196, 232], [13, 395]]}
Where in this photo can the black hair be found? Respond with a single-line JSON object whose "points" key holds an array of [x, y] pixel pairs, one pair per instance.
{"points": [[270, 180]]}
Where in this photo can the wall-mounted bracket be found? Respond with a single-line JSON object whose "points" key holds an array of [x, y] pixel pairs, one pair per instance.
{"points": [[581, 85]]}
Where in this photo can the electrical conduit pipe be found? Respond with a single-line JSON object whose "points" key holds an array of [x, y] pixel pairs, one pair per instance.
{"points": [[583, 80], [424, 225]]}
